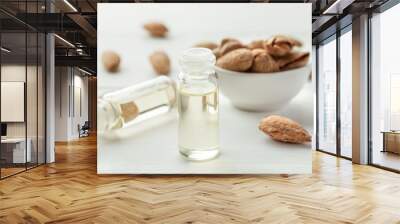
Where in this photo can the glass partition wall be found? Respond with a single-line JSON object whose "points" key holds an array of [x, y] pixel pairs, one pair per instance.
{"points": [[327, 95], [334, 88], [13, 89], [22, 76], [385, 90], [334, 106]]}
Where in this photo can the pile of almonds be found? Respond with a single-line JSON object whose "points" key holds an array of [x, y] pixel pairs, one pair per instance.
{"points": [[261, 56]]}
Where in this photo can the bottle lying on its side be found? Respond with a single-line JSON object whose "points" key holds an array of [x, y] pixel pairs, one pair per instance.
{"points": [[123, 108]]}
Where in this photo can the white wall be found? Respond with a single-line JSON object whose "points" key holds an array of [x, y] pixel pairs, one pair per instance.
{"points": [[79, 117], [70, 83], [62, 81], [12, 73]]}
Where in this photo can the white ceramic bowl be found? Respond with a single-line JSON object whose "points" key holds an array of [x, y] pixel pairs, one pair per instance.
{"points": [[262, 91]]}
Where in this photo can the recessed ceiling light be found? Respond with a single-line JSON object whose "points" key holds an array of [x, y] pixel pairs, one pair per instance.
{"points": [[64, 40], [84, 71], [5, 49], [338, 6], [70, 5]]}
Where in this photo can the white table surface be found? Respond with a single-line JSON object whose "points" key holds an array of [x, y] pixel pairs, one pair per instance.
{"points": [[12, 140], [152, 148], [19, 149]]}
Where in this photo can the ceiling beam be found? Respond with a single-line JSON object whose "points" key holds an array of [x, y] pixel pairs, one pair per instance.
{"points": [[337, 7], [81, 61], [86, 26]]}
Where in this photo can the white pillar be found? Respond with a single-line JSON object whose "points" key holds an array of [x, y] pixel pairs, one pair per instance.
{"points": [[50, 99]]}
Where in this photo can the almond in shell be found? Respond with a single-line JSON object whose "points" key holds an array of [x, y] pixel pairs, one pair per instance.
{"points": [[263, 62], [156, 29], [160, 62], [207, 44], [228, 39], [284, 129], [230, 46], [111, 61], [217, 52], [281, 45], [256, 44], [238, 60], [293, 60]]}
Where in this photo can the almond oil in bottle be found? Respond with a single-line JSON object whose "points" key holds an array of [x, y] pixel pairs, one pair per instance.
{"points": [[198, 133]]}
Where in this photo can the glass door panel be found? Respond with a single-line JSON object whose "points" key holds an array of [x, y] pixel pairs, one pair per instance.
{"points": [[31, 99], [346, 94], [14, 152], [327, 96], [22, 66]]}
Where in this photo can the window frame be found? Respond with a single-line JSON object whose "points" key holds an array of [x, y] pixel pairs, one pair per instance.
{"points": [[334, 37]]}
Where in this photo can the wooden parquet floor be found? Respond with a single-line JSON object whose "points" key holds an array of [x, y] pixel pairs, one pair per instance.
{"points": [[70, 191]]}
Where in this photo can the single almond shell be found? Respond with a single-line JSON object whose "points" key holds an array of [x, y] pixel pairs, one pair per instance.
{"points": [[258, 51], [281, 45], [207, 44], [278, 39], [278, 50], [284, 129], [228, 39], [264, 63], [256, 44], [230, 46], [156, 29], [293, 60], [217, 52], [160, 62], [238, 60], [110, 60], [300, 61]]}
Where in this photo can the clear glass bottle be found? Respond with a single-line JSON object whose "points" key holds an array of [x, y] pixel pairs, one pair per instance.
{"points": [[198, 134], [123, 108]]}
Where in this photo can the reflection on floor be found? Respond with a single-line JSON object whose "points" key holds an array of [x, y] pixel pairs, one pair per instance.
{"points": [[387, 159], [346, 152], [10, 169], [70, 191]]}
